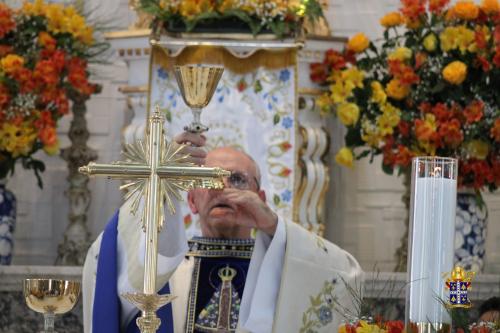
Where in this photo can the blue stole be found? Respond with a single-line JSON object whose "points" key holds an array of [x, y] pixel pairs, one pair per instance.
{"points": [[107, 305]]}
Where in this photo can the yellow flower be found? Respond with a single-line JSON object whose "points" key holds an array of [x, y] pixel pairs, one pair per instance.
{"points": [[348, 113], [370, 134], [465, 10], [323, 103], [430, 42], [17, 140], [455, 72], [457, 37], [490, 7], [378, 94], [392, 19], [340, 91], [401, 54], [353, 77], [53, 149], [344, 157], [369, 328], [397, 90], [38, 7], [478, 149], [86, 36], [55, 18], [358, 43], [11, 63]]}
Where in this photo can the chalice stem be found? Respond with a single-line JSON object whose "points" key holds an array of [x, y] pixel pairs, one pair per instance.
{"points": [[196, 115], [48, 325]]}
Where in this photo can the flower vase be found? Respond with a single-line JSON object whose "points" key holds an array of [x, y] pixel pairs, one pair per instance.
{"points": [[7, 223], [470, 231]]}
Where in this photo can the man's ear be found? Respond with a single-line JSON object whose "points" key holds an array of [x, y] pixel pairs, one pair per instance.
{"points": [[262, 195], [190, 200]]}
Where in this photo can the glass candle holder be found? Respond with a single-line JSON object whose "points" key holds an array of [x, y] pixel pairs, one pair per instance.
{"points": [[431, 242]]}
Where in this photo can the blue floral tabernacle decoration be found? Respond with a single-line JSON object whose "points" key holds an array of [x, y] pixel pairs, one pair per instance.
{"points": [[470, 232], [7, 224]]}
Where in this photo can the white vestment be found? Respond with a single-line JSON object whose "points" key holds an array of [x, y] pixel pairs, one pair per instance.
{"points": [[293, 283]]}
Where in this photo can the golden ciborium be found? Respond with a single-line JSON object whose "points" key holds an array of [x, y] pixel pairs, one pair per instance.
{"points": [[197, 84], [51, 297]]}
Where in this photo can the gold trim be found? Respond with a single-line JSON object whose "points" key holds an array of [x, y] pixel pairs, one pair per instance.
{"points": [[120, 34], [224, 36], [311, 91], [217, 55], [133, 89]]}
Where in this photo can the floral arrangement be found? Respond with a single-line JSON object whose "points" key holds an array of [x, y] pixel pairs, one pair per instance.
{"points": [[44, 49], [282, 17], [428, 87], [368, 325]]}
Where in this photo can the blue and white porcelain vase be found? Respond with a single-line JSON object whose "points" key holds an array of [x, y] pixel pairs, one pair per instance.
{"points": [[7, 223], [470, 232]]}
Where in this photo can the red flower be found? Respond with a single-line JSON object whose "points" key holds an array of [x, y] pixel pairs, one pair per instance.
{"points": [[474, 111], [319, 72], [335, 59], [4, 96], [7, 23], [484, 63], [413, 9], [480, 38], [46, 72], [404, 128], [45, 120], [423, 130], [496, 58], [436, 7], [46, 41], [404, 156], [451, 133], [242, 85], [48, 135], [5, 49], [442, 112], [495, 130], [396, 326]]}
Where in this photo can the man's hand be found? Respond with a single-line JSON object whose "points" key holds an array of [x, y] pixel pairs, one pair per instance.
{"points": [[194, 143], [251, 211]]}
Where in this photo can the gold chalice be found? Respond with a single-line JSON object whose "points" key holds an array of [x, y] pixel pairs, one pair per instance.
{"points": [[197, 84], [51, 297]]}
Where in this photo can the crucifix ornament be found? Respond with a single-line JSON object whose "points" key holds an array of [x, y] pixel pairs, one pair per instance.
{"points": [[156, 170]]}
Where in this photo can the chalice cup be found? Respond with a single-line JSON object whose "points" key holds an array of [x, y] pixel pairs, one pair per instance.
{"points": [[197, 84], [51, 297]]}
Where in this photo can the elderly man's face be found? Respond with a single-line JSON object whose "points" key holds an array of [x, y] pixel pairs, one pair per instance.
{"points": [[214, 212]]}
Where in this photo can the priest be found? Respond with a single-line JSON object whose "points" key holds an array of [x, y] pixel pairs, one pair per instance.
{"points": [[285, 279]]}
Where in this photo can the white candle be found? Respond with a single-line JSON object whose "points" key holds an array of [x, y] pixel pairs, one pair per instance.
{"points": [[431, 245]]}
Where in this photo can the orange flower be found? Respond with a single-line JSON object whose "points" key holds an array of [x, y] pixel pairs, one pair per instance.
{"points": [[466, 10], [437, 6], [455, 72], [425, 129], [48, 135], [451, 133], [474, 111], [404, 156], [46, 71], [413, 10], [397, 90], [358, 43], [490, 7], [12, 63], [392, 19], [46, 40], [7, 23], [495, 130]]}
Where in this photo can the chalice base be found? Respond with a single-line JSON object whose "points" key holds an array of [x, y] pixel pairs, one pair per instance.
{"points": [[196, 127], [148, 304]]}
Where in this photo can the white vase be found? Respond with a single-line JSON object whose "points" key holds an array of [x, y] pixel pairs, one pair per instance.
{"points": [[470, 232]]}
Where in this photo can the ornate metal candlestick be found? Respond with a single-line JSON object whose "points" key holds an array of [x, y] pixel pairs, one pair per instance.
{"points": [[197, 84], [157, 170]]}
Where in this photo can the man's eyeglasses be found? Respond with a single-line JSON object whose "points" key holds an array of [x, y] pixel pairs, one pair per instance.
{"points": [[241, 181]]}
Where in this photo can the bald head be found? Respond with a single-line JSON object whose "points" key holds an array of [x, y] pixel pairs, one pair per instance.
{"points": [[236, 159]]}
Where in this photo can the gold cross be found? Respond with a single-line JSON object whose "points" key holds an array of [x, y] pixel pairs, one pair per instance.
{"points": [[156, 170]]}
